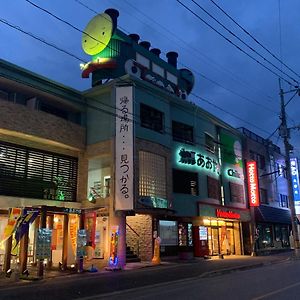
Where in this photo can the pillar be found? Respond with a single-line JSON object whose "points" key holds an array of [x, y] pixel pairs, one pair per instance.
{"points": [[80, 258], [50, 226], [7, 256], [23, 252], [65, 242]]}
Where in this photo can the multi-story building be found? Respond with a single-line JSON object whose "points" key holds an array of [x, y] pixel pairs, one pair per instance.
{"points": [[42, 140], [272, 217]]}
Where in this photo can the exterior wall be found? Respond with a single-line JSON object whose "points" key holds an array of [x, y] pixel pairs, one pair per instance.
{"points": [[21, 119], [142, 225], [100, 113]]}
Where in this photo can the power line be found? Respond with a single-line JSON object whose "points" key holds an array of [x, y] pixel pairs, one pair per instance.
{"points": [[41, 40], [68, 23], [204, 76], [244, 43], [205, 100], [249, 34], [189, 48], [232, 43]]}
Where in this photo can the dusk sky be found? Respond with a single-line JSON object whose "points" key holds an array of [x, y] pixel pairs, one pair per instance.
{"points": [[225, 77]]}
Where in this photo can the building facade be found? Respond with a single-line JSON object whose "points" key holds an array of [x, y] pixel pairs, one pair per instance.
{"points": [[272, 217]]}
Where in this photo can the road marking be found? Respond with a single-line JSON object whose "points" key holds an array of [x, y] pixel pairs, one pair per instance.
{"points": [[276, 292]]}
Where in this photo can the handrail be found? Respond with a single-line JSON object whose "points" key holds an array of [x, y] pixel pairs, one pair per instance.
{"points": [[138, 239], [132, 229]]}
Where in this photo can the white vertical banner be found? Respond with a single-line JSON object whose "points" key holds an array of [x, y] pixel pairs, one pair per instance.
{"points": [[124, 149]]}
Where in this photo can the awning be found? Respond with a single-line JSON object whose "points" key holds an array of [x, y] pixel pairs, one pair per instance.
{"points": [[268, 214]]}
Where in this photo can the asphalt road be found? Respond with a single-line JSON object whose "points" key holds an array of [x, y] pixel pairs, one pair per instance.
{"points": [[86, 285], [273, 282]]}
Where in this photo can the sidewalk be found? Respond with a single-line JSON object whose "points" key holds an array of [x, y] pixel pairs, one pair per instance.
{"points": [[204, 267]]}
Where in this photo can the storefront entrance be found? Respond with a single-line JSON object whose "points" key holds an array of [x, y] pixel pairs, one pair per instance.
{"points": [[221, 238]]}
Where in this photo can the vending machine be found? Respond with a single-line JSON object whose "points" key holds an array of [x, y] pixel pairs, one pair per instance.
{"points": [[200, 235]]}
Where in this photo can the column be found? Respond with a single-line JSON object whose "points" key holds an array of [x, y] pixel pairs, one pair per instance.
{"points": [[7, 256], [23, 252], [65, 242], [50, 226], [43, 224]]}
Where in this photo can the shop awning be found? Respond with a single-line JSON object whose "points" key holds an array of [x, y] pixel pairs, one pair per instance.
{"points": [[269, 214]]}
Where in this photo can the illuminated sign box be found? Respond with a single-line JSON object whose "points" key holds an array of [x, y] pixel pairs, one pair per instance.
{"points": [[253, 188], [227, 214]]}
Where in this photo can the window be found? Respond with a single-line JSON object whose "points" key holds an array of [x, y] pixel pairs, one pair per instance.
{"points": [[185, 182], [236, 192], [151, 118], [32, 173], [213, 188], [182, 132], [263, 196], [260, 159], [152, 175], [209, 143], [50, 109], [284, 200]]}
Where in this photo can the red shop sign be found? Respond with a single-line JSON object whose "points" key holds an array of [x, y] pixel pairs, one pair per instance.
{"points": [[227, 214], [253, 189]]}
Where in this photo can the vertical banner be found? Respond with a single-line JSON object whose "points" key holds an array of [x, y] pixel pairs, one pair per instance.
{"points": [[90, 227], [14, 215], [114, 240], [124, 148], [253, 188], [73, 227], [295, 183]]}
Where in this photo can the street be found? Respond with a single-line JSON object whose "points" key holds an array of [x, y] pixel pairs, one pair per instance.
{"points": [[276, 282]]}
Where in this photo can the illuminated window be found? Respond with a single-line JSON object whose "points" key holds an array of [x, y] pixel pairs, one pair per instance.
{"points": [[152, 175]]}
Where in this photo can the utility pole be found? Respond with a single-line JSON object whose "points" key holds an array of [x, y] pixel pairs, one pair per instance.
{"points": [[284, 132]]}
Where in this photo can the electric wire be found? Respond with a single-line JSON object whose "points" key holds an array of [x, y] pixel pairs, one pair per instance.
{"points": [[68, 23], [208, 79], [232, 43], [205, 100], [189, 48], [244, 43], [41, 40], [255, 39]]}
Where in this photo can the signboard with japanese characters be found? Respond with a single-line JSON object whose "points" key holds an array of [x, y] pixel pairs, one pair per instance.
{"points": [[124, 148], [295, 183]]}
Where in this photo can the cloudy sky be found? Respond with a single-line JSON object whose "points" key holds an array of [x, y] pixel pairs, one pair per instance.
{"points": [[231, 82]]}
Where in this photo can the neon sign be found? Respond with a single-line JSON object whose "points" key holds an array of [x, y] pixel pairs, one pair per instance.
{"points": [[295, 179], [227, 214], [189, 157], [253, 190]]}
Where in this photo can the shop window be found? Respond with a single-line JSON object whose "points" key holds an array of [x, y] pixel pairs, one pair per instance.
{"points": [[213, 188], [168, 232], [284, 201], [185, 182], [236, 192], [151, 118], [99, 178], [185, 237], [152, 177], [265, 239], [182, 132], [263, 196], [209, 143]]}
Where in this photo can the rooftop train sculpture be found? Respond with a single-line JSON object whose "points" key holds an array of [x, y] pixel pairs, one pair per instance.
{"points": [[115, 54]]}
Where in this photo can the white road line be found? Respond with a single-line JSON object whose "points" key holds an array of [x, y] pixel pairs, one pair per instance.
{"points": [[276, 291]]}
